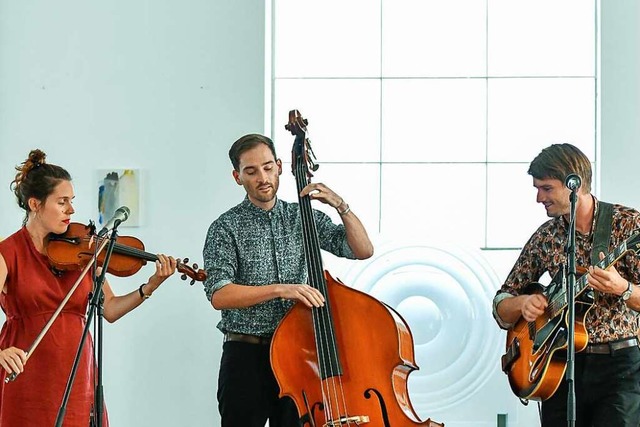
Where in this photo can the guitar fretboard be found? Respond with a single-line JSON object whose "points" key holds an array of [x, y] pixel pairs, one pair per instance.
{"points": [[559, 302]]}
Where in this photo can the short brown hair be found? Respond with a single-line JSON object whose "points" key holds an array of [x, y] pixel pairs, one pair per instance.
{"points": [[247, 142], [559, 160]]}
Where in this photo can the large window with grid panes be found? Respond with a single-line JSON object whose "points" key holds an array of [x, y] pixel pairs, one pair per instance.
{"points": [[425, 115]]}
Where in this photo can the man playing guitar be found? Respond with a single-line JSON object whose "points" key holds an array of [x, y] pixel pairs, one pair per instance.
{"points": [[607, 362]]}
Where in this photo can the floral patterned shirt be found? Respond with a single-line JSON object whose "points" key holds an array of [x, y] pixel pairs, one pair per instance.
{"points": [[250, 246], [609, 319]]}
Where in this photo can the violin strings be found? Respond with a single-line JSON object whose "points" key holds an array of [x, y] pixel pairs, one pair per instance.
{"points": [[124, 249], [323, 325]]}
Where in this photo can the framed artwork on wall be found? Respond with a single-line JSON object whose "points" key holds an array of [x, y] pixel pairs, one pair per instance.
{"points": [[116, 188]]}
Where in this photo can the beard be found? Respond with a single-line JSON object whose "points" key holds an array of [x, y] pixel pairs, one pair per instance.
{"points": [[263, 197], [259, 194]]}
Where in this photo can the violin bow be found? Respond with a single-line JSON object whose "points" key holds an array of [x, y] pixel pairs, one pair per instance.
{"points": [[56, 313]]}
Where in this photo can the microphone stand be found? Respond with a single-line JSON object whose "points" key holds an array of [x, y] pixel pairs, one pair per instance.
{"points": [[571, 284], [96, 303]]}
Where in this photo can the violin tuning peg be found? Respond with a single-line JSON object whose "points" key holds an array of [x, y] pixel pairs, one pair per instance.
{"points": [[192, 282], [186, 260], [183, 277], [195, 266]]}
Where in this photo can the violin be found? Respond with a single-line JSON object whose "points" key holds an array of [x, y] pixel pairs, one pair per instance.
{"points": [[75, 248]]}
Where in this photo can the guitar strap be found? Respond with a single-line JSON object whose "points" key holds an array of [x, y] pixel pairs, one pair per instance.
{"points": [[602, 232]]}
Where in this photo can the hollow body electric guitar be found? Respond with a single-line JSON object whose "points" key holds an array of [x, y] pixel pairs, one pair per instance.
{"points": [[535, 357]]}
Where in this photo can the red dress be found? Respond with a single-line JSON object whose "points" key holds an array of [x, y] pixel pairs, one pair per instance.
{"points": [[33, 293]]}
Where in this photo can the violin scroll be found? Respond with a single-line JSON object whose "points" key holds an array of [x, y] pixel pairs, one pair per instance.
{"points": [[193, 272]]}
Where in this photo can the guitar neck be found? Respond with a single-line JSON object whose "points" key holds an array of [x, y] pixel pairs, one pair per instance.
{"points": [[559, 302], [608, 261]]}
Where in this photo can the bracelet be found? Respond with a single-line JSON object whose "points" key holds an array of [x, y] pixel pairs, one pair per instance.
{"points": [[345, 210], [142, 294]]}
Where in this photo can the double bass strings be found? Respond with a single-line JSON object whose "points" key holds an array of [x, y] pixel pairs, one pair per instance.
{"points": [[327, 352]]}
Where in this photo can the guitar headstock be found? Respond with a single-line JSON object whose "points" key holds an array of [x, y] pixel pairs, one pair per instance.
{"points": [[193, 272], [302, 153]]}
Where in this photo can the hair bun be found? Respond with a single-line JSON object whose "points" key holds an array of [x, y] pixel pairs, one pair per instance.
{"points": [[36, 158]]}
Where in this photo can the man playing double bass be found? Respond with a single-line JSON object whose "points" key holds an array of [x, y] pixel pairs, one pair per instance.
{"points": [[607, 371], [256, 271]]}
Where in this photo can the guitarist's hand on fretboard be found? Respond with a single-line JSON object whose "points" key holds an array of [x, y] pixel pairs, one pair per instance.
{"points": [[607, 281], [533, 359]]}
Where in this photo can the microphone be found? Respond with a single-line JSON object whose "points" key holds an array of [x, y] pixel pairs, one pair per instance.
{"points": [[573, 181], [121, 215]]}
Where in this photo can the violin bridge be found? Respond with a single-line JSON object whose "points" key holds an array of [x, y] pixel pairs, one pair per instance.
{"points": [[357, 420]]}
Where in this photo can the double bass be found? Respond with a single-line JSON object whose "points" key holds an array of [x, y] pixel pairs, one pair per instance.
{"points": [[345, 363]]}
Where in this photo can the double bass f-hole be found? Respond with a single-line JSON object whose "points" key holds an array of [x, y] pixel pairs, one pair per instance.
{"points": [[345, 363]]}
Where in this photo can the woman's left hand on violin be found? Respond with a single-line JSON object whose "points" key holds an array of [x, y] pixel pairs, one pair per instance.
{"points": [[319, 191], [165, 267]]}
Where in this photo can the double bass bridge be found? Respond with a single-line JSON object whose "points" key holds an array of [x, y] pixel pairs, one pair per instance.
{"points": [[357, 420]]}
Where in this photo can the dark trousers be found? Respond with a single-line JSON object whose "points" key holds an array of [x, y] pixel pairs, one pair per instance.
{"points": [[248, 391], [607, 392]]}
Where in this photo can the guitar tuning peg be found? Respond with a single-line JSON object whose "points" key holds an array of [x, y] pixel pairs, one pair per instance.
{"points": [[183, 277]]}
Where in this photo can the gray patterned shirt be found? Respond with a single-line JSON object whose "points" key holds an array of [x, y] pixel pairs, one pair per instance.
{"points": [[250, 246]]}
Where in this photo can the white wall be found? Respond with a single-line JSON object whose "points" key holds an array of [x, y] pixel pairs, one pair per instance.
{"points": [[161, 86]]}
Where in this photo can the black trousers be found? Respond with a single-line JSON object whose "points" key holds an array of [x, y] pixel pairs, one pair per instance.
{"points": [[248, 391], [607, 392]]}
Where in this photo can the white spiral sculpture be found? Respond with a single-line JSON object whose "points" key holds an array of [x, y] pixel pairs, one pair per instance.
{"points": [[444, 294]]}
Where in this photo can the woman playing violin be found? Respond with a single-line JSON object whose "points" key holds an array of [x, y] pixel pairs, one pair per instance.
{"points": [[31, 291]]}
